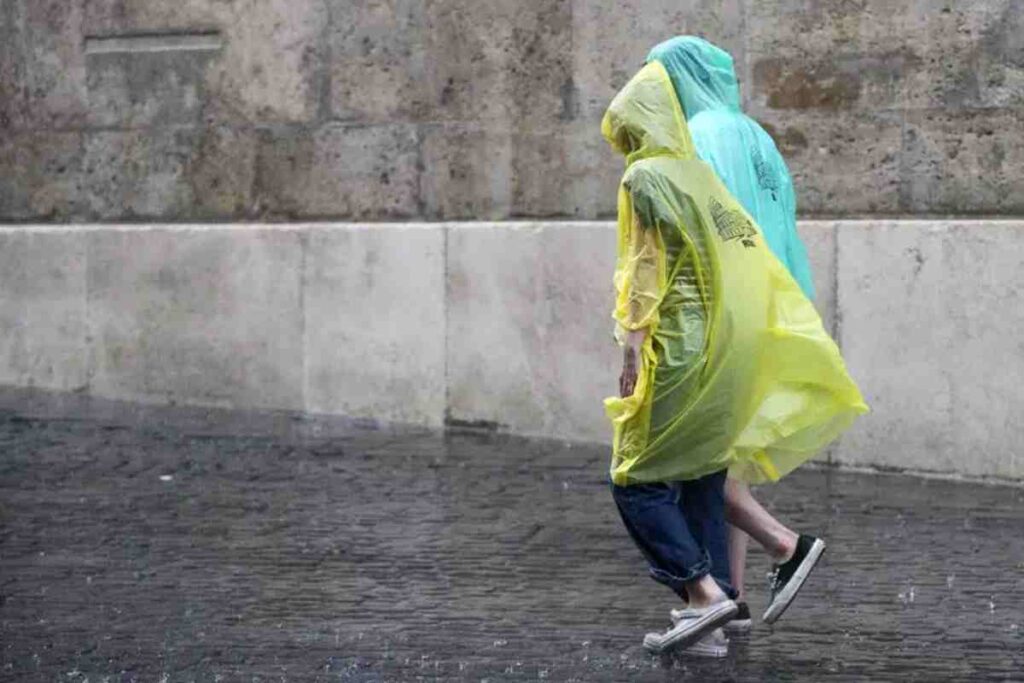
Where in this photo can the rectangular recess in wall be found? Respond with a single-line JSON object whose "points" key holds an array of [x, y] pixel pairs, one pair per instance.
{"points": [[182, 41]]}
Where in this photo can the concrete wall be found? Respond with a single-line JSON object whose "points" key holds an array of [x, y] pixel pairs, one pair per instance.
{"points": [[503, 325], [131, 110]]}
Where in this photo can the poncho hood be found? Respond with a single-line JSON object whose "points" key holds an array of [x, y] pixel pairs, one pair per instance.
{"points": [[645, 120], [702, 74]]}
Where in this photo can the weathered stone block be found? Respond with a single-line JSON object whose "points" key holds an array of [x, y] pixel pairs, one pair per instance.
{"points": [[467, 171], [1001, 58], [40, 175], [42, 67], [43, 309], [840, 164], [847, 81], [829, 56], [199, 315], [138, 173], [497, 59], [354, 171], [137, 17], [898, 339], [564, 170], [931, 67], [222, 173], [490, 62], [176, 174], [270, 68], [970, 55], [922, 308], [883, 55], [984, 294], [381, 59], [925, 308], [375, 322], [146, 88], [530, 343], [963, 162]]}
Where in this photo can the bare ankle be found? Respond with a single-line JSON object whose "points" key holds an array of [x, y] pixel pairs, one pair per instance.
{"points": [[785, 547], [705, 592]]}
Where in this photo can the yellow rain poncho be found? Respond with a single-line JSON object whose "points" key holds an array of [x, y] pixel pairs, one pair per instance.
{"points": [[736, 370]]}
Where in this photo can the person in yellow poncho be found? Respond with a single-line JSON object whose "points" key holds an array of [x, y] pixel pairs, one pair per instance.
{"points": [[726, 367]]}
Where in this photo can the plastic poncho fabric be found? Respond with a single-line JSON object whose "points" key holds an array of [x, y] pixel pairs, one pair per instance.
{"points": [[736, 371], [743, 155]]}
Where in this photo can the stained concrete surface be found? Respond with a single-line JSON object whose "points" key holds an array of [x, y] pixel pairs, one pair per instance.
{"points": [[150, 546], [503, 323]]}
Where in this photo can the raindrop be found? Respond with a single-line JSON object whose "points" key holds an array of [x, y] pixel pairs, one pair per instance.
{"points": [[949, 580], [166, 477]]}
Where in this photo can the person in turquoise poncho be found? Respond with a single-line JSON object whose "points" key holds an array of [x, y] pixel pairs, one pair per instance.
{"points": [[745, 158]]}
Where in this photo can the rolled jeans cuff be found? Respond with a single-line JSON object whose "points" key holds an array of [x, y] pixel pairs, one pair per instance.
{"points": [[677, 583]]}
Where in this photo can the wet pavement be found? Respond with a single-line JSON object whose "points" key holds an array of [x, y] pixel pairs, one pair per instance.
{"points": [[213, 550]]}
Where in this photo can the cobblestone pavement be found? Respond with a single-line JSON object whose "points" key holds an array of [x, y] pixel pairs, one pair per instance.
{"points": [[206, 551]]}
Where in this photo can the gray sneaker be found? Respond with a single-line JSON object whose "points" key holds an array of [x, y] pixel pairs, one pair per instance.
{"points": [[692, 625], [740, 622], [714, 644]]}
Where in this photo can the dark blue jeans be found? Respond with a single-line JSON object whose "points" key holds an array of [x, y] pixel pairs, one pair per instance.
{"points": [[680, 528]]}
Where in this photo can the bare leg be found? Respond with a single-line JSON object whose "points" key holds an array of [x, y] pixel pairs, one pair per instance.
{"points": [[738, 560], [744, 512]]}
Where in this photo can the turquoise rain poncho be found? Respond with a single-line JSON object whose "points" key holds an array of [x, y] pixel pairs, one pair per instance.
{"points": [[743, 155], [736, 370]]}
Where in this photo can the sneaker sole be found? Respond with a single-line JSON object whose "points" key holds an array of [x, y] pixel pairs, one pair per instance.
{"points": [[777, 608], [700, 649], [736, 626], [655, 643]]}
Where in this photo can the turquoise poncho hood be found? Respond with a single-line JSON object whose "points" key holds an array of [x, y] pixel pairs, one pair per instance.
{"points": [[702, 74], [742, 154]]}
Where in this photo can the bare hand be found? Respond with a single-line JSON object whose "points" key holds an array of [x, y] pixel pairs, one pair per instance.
{"points": [[627, 380]]}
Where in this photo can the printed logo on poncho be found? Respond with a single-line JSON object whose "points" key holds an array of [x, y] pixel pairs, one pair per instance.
{"points": [[766, 178], [731, 224]]}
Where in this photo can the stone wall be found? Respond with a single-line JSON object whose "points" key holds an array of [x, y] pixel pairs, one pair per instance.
{"points": [[499, 325], [128, 110]]}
